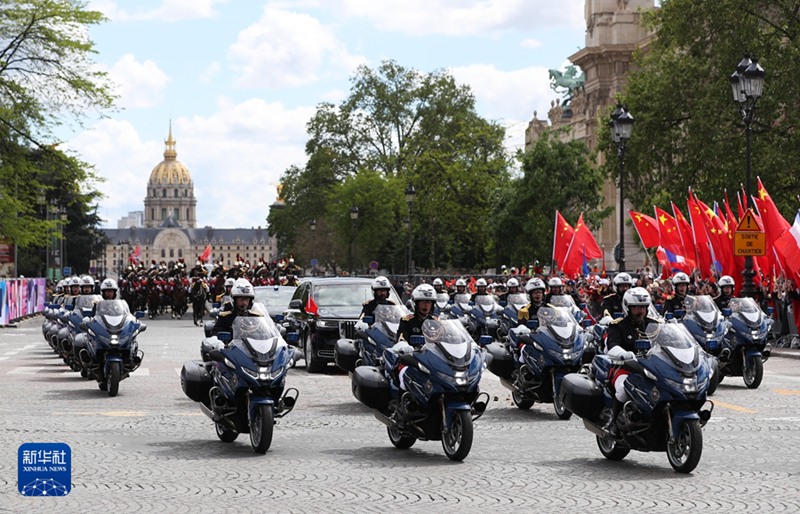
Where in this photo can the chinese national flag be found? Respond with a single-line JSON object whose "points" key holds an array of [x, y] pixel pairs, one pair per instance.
{"points": [[646, 228], [583, 247], [562, 237], [702, 243], [720, 242], [672, 242], [772, 220], [311, 306], [685, 230]]}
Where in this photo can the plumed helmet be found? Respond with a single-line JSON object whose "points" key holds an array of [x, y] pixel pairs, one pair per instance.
{"points": [[381, 283], [423, 292], [533, 284], [461, 283], [229, 282], [512, 282], [481, 282], [438, 282], [726, 280], [555, 282], [622, 279], [635, 296], [242, 288], [682, 278]]}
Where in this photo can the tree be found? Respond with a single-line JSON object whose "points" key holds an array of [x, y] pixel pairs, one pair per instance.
{"points": [[399, 126], [556, 175], [688, 130]]}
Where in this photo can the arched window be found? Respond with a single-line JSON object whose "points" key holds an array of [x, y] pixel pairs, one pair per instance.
{"points": [[163, 253], [180, 253], [176, 193], [187, 214], [164, 192], [163, 213], [171, 253], [185, 192]]}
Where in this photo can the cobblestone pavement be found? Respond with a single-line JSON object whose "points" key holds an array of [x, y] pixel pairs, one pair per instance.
{"points": [[150, 449]]}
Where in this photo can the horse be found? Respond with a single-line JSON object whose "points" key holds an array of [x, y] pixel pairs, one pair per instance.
{"points": [[180, 303], [569, 80], [153, 300], [198, 295]]}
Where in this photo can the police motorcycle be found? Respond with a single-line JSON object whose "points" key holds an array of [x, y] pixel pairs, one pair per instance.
{"points": [[484, 317], [459, 308], [241, 387], [705, 322], [443, 369], [374, 335], [440, 304], [667, 385], [510, 314], [745, 347], [538, 356], [71, 319], [108, 350]]}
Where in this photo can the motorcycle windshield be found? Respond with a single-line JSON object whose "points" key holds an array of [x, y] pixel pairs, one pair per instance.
{"points": [[485, 303], [560, 323], [449, 338], [387, 319], [85, 302], [748, 311], [259, 333], [112, 313], [672, 343], [442, 299], [703, 311], [462, 300], [563, 300], [517, 300]]}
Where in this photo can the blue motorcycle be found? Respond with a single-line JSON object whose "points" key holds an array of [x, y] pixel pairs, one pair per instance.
{"points": [[532, 366], [368, 346], [667, 386], [745, 348], [442, 399], [510, 314], [241, 389], [71, 319], [111, 353], [441, 303], [484, 317], [705, 322]]}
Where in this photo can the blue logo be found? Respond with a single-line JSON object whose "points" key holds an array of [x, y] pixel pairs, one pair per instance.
{"points": [[44, 469]]}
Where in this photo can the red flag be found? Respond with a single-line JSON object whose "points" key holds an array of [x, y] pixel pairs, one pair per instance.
{"points": [[685, 231], [136, 255], [562, 237], [671, 241], [722, 249], [583, 246], [774, 224], [206, 254], [701, 241], [311, 306], [646, 228], [788, 246]]}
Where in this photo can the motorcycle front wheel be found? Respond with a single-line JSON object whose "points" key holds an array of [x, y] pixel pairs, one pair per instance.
{"points": [[261, 427], [684, 453], [457, 440], [753, 372], [114, 372], [611, 449]]}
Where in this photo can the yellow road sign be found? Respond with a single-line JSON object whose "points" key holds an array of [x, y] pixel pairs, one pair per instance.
{"points": [[749, 243]]}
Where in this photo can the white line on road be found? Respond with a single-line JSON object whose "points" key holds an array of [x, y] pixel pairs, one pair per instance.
{"points": [[25, 370]]}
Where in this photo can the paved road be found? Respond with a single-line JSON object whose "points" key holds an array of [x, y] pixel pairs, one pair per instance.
{"points": [[150, 448]]}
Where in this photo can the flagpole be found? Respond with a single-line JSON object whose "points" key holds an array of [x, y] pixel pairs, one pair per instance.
{"points": [[553, 255]]}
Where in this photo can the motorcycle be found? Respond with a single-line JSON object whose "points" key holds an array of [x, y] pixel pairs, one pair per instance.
{"points": [[443, 398], [705, 322], [241, 388], [71, 320], [441, 303], [368, 346], [667, 385], [459, 308], [745, 347], [483, 319], [108, 350], [510, 314], [533, 364]]}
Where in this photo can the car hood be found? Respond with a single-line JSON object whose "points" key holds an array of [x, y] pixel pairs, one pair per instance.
{"points": [[339, 312]]}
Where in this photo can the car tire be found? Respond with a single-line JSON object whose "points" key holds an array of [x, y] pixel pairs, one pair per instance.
{"points": [[313, 364]]}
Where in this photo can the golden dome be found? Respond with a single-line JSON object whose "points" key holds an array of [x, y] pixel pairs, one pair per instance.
{"points": [[170, 171]]}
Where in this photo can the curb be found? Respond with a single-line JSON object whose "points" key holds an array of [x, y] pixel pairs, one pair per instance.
{"points": [[786, 353]]}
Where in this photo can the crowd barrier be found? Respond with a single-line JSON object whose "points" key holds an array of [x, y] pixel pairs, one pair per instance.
{"points": [[20, 298]]}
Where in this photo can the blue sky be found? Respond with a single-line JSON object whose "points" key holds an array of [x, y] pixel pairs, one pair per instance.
{"points": [[239, 79]]}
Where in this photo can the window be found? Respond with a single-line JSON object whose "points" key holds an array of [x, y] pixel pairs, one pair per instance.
{"points": [[180, 253], [164, 192], [152, 213], [177, 217], [176, 193], [163, 213], [185, 194], [163, 253], [187, 214], [171, 253]]}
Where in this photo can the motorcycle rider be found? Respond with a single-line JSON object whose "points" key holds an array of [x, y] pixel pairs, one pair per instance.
{"points": [[423, 296], [480, 289], [380, 294], [620, 340], [87, 285], [726, 286], [243, 295], [438, 285], [225, 297], [461, 287], [512, 287], [535, 289], [109, 289], [555, 288], [680, 281], [612, 303]]}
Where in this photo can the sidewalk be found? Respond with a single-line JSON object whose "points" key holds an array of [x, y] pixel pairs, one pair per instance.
{"points": [[789, 353]]}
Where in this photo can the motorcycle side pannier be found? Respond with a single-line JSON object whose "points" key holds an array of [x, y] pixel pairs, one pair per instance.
{"points": [[370, 387], [196, 381], [345, 354], [502, 362], [581, 395]]}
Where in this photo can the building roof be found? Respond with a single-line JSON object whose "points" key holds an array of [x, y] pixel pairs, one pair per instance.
{"points": [[197, 236]]}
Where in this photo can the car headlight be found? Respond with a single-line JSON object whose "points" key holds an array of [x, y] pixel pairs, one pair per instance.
{"points": [[327, 323]]}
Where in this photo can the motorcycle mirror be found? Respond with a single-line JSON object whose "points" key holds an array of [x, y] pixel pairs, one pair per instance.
{"points": [[659, 308], [279, 318], [69, 306], [369, 320], [484, 340], [587, 323], [225, 337], [771, 311], [142, 328], [296, 304], [139, 314], [642, 345], [532, 324], [581, 305], [215, 305], [679, 313], [215, 354], [668, 316], [417, 341], [727, 311]]}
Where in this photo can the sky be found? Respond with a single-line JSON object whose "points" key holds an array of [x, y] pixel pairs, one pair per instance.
{"points": [[239, 79]]}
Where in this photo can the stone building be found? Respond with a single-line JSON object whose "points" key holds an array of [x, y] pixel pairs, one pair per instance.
{"points": [[170, 231], [613, 33]]}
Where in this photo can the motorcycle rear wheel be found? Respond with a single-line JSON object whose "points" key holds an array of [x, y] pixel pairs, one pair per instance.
{"points": [[612, 450], [561, 410], [753, 372], [225, 434], [684, 454], [261, 427], [457, 441], [520, 401], [400, 440], [114, 372]]}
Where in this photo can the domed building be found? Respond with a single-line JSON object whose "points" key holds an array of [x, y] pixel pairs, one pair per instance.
{"points": [[169, 232]]}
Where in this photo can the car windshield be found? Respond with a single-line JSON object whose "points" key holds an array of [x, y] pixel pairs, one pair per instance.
{"points": [[387, 318], [702, 309], [346, 295], [449, 337], [517, 300], [260, 332], [275, 298]]}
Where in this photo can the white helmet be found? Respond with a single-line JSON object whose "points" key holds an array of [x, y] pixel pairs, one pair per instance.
{"points": [[75, 281], [555, 282], [86, 280], [229, 282], [512, 282], [438, 282], [423, 292], [461, 283], [381, 283], [726, 280], [242, 288], [635, 296], [481, 282], [683, 278], [622, 279], [109, 283], [533, 284]]}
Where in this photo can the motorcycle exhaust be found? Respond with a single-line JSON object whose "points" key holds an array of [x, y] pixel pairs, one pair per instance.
{"points": [[84, 356], [725, 355]]}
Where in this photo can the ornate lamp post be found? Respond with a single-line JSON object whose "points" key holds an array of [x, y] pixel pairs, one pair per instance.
{"points": [[411, 194], [621, 129], [353, 218], [312, 226], [747, 84]]}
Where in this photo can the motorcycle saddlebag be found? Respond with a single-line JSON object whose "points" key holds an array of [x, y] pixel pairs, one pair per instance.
{"points": [[581, 395], [502, 362], [345, 354], [371, 388], [196, 381]]}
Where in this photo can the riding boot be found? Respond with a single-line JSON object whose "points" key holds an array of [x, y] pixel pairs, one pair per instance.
{"points": [[611, 426]]}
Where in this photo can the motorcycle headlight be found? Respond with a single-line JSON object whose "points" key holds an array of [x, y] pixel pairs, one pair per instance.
{"points": [[649, 374], [262, 373], [114, 341], [230, 364]]}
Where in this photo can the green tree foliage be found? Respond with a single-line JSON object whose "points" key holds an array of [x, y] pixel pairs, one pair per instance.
{"points": [[556, 175], [396, 127], [688, 131]]}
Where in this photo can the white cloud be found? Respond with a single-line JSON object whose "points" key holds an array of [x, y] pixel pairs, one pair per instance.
{"points": [[167, 11], [211, 71], [288, 49], [530, 43], [139, 84], [467, 17]]}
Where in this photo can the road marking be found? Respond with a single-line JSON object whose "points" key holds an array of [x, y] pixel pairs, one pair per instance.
{"points": [[141, 372], [119, 413], [4, 358], [25, 370], [788, 392], [736, 408]]}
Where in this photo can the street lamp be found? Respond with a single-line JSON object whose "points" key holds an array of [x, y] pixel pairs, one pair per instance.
{"points": [[747, 84], [411, 194], [312, 225], [353, 218], [621, 129]]}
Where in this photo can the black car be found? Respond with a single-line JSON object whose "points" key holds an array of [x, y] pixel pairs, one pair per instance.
{"points": [[276, 298], [325, 310]]}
